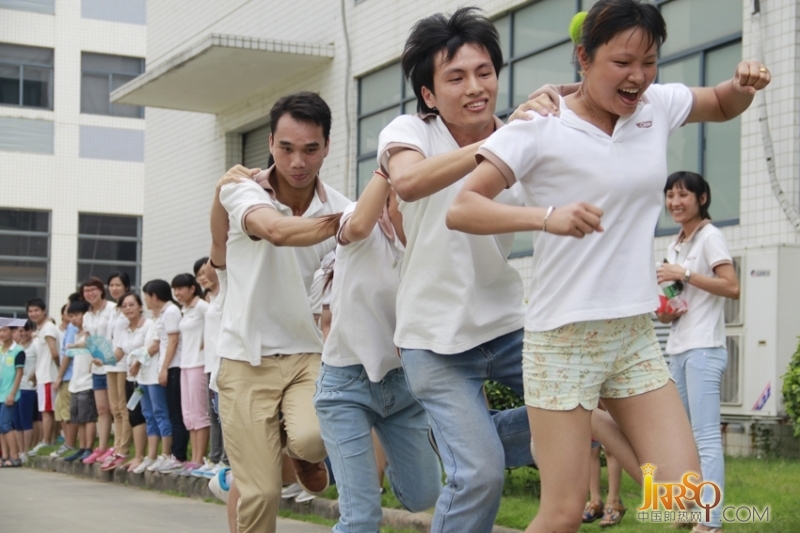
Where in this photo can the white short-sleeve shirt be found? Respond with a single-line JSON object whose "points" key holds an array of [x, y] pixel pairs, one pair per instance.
{"points": [[32, 353], [319, 294], [100, 323], [192, 324], [46, 367], [81, 367], [169, 321], [267, 309], [561, 160], [363, 301], [117, 325], [129, 340], [457, 291], [211, 330], [703, 325], [148, 375]]}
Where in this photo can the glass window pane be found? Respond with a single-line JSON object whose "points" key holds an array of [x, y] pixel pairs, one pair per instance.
{"points": [[36, 87], [9, 84], [29, 55], [123, 110], [503, 25], [23, 271], [503, 92], [694, 22], [365, 169], [111, 64], [523, 244], [86, 270], [369, 128], [23, 245], [95, 94], [722, 161], [552, 66], [380, 89], [542, 24], [16, 296], [108, 225], [408, 90], [15, 220], [410, 108], [108, 250], [586, 5]]}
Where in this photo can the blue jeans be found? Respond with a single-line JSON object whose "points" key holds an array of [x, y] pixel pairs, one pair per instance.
{"points": [[154, 409], [23, 410], [475, 445], [6, 418], [349, 406], [698, 375]]}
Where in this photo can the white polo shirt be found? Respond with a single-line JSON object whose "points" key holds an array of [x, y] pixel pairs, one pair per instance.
{"points": [[267, 309], [457, 291], [563, 160], [100, 323], [363, 300], [211, 330], [703, 325], [191, 326], [32, 353], [46, 368], [117, 325], [148, 375], [169, 321], [129, 340]]}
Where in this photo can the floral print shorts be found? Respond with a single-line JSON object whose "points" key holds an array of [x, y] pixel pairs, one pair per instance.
{"points": [[577, 364]]}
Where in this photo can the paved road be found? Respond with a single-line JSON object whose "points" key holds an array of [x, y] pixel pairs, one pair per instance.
{"points": [[34, 501]]}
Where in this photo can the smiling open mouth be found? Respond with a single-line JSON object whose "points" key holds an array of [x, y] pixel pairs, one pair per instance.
{"points": [[629, 96]]}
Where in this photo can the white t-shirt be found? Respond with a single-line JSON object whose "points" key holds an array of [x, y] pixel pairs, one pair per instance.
{"points": [[169, 321], [319, 295], [563, 160], [117, 325], [457, 291], [211, 329], [148, 375], [128, 340], [267, 309], [363, 301], [32, 352], [192, 324], [100, 323], [81, 366], [46, 368], [703, 325]]}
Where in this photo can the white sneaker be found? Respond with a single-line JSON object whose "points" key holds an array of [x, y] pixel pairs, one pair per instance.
{"points": [[61, 451], [214, 470], [158, 463], [219, 486], [35, 449], [146, 463], [290, 491], [170, 465], [207, 467], [23, 457], [304, 497]]}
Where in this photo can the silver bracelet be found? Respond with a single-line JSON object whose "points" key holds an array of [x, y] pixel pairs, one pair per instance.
{"points": [[546, 216]]}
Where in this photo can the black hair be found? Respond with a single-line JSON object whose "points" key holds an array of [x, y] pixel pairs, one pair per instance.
{"points": [[607, 18], [694, 183], [304, 106], [30, 325], [78, 306], [135, 297], [437, 33], [199, 264], [74, 297], [187, 280], [160, 289], [93, 281], [64, 309], [36, 302], [123, 277]]}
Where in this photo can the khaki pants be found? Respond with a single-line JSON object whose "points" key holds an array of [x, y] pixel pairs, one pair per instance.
{"points": [[251, 400], [63, 399], [119, 410]]}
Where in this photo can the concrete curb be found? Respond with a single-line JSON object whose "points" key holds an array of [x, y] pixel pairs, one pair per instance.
{"points": [[198, 488]]}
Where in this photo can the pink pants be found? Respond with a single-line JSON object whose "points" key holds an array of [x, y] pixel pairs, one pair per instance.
{"points": [[194, 398]]}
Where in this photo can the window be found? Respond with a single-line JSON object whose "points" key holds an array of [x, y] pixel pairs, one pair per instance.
{"points": [[37, 6], [24, 259], [109, 243], [703, 49], [102, 74], [26, 76], [255, 148]]}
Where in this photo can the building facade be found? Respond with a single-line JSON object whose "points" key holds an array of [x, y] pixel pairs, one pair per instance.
{"points": [[71, 162], [214, 69]]}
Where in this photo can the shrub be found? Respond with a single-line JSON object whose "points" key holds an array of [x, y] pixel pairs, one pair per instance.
{"points": [[791, 391], [501, 397]]}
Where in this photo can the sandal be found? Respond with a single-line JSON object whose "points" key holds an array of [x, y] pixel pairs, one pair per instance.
{"points": [[14, 463], [612, 514], [592, 512]]}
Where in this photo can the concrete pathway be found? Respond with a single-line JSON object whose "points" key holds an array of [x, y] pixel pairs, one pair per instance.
{"points": [[32, 501]]}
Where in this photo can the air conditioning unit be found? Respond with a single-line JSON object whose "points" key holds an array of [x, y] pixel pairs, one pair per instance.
{"points": [[762, 330]]}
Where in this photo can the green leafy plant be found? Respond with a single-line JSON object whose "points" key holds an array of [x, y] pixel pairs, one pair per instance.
{"points": [[501, 397], [791, 391]]}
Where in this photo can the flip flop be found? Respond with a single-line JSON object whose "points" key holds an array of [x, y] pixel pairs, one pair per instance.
{"points": [[592, 512]]}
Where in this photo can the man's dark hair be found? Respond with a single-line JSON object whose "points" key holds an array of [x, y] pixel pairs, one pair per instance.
{"points": [[437, 33], [78, 306], [303, 106], [36, 302]]}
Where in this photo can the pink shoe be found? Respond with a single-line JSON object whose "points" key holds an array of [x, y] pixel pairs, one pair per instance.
{"points": [[94, 456], [115, 461], [107, 455]]}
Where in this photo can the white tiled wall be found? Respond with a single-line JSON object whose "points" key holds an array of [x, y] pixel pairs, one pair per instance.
{"points": [[63, 183]]}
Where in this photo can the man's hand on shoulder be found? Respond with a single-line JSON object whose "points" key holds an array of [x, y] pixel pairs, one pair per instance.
{"points": [[236, 174]]}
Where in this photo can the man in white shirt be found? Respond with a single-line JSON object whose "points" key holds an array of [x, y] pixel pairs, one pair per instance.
{"points": [[272, 232], [46, 367]]}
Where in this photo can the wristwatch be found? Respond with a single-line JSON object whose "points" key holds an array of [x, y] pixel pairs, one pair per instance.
{"points": [[687, 275]]}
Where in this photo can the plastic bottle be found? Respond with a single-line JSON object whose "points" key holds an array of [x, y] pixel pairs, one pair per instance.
{"points": [[672, 291]]}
